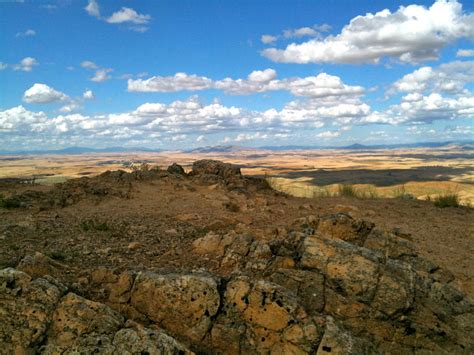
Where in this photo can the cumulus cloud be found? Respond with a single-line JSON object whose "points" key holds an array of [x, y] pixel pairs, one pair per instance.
{"points": [[93, 9], [424, 109], [242, 137], [257, 81], [126, 14], [328, 134], [411, 34], [26, 64], [101, 75], [135, 21], [465, 53], [178, 82], [449, 77], [27, 33], [314, 31], [87, 64], [43, 94], [268, 39], [88, 95]]}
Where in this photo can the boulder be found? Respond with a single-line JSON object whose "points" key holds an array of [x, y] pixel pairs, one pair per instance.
{"points": [[182, 304], [344, 227], [26, 309], [86, 327], [215, 167], [176, 169]]}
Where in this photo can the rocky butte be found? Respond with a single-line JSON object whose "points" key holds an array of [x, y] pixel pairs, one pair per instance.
{"points": [[210, 261]]}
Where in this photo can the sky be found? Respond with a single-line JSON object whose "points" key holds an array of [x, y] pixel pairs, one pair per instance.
{"points": [[183, 74]]}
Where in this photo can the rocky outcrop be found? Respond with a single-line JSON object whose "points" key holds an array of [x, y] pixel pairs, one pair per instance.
{"points": [[36, 317], [215, 167], [321, 285]]}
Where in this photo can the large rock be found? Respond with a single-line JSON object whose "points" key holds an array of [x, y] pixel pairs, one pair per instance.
{"points": [[344, 227], [176, 169], [182, 304], [26, 308], [350, 269], [262, 317], [86, 327], [215, 167]]}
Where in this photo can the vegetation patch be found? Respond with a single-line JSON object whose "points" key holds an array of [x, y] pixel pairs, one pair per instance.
{"points": [[11, 202], [447, 200], [347, 191]]}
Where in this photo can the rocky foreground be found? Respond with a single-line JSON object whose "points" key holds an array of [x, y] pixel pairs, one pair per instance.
{"points": [[320, 284]]}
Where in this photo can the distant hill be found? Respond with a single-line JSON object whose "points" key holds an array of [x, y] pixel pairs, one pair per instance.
{"points": [[466, 145], [220, 149]]}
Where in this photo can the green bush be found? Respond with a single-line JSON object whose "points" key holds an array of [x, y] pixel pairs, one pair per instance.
{"points": [[447, 200]]}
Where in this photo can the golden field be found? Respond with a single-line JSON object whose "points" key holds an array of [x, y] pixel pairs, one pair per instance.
{"points": [[420, 172]]}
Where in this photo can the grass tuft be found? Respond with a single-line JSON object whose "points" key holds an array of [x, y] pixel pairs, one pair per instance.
{"points": [[447, 200], [347, 191]]}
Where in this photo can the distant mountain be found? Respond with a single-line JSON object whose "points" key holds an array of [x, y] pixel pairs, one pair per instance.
{"points": [[465, 145], [78, 150], [220, 149]]}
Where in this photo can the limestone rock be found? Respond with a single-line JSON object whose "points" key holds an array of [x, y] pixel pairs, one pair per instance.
{"points": [[339, 341], [343, 226], [181, 304], [26, 308]]}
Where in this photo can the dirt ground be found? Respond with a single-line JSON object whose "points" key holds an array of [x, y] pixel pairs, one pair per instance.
{"points": [[155, 223]]}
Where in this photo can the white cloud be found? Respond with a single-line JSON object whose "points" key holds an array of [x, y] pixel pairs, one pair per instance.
{"points": [[135, 21], [411, 34], [257, 81], [328, 134], [465, 53], [262, 76], [87, 64], [178, 82], [301, 32], [314, 31], [242, 137], [92, 8], [128, 15], [101, 75], [43, 94], [26, 64], [3, 66], [448, 78], [88, 95], [268, 39], [27, 33], [200, 139]]}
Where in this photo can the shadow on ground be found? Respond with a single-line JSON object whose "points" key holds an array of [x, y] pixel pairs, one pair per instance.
{"points": [[390, 177]]}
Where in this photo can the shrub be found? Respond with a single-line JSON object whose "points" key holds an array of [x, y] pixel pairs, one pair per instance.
{"points": [[347, 191], [11, 202], [401, 193], [447, 200]]}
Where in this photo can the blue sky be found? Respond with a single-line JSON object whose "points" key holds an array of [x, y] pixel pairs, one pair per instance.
{"points": [[183, 74]]}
